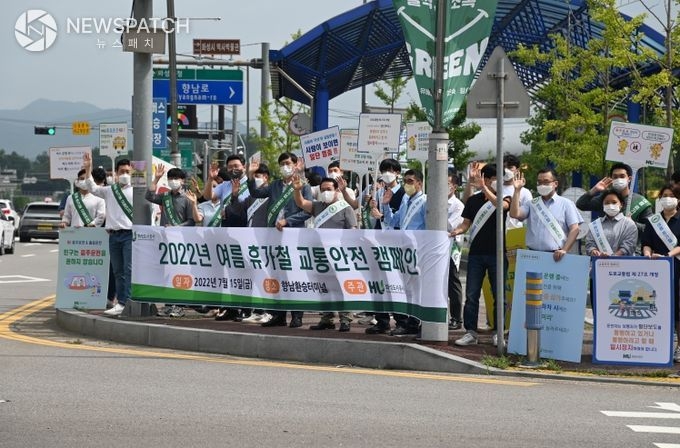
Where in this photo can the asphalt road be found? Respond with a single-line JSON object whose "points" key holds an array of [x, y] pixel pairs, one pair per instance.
{"points": [[60, 390]]}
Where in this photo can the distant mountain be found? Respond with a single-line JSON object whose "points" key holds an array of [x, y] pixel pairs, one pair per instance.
{"points": [[16, 126]]}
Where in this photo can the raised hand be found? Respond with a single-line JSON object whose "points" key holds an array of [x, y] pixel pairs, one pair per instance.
{"points": [[387, 196], [297, 182], [191, 196], [160, 170], [518, 182], [235, 187], [252, 167], [602, 185], [87, 161]]}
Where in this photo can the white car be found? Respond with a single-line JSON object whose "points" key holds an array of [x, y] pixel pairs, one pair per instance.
{"points": [[6, 235], [7, 209]]}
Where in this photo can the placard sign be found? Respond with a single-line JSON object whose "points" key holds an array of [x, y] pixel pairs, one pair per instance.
{"points": [[321, 148], [65, 162], [633, 310], [639, 145], [418, 140]]}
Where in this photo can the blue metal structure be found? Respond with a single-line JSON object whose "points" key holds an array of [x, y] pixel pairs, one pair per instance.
{"points": [[366, 44]]}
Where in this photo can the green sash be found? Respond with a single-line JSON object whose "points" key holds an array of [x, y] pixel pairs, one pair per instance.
{"points": [[170, 211], [365, 216], [81, 209], [641, 204], [218, 214], [278, 206], [122, 200]]}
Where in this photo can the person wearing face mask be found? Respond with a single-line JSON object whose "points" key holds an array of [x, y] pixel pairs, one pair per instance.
{"points": [[613, 234], [511, 165], [118, 200], [410, 216], [235, 172], [282, 211], [553, 221], [331, 211], [479, 217], [619, 179], [389, 171], [334, 172], [83, 209], [455, 218], [177, 208], [660, 239]]}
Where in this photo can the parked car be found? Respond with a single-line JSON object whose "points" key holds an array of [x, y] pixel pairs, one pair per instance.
{"points": [[7, 209], [39, 220], [6, 234]]}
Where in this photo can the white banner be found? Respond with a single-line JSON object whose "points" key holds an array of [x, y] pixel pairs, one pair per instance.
{"points": [[297, 269], [418, 140], [321, 148], [379, 134], [633, 311]]}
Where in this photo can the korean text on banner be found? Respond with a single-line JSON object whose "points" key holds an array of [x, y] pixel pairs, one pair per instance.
{"points": [[565, 285], [66, 161], [633, 311], [321, 148], [468, 25], [379, 134], [639, 145], [299, 269], [350, 157], [418, 140]]}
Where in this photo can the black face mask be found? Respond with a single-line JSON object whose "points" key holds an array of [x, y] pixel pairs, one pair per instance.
{"points": [[236, 174]]}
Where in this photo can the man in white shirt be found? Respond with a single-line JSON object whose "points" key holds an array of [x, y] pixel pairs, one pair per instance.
{"points": [[118, 199], [82, 208], [455, 212]]}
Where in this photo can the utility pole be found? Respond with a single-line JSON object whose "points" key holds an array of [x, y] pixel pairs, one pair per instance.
{"points": [[175, 156], [438, 157]]}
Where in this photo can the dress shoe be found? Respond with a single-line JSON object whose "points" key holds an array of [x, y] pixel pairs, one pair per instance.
{"points": [[275, 322], [455, 325], [321, 326], [297, 322], [401, 331], [377, 329], [344, 326]]}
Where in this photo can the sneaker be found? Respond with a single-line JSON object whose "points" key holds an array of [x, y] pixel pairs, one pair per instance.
{"points": [[455, 325], [176, 311], [367, 320], [165, 312], [676, 355], [266, 317], [495, 340], [468, 338], [254, 317], [116, 310]]}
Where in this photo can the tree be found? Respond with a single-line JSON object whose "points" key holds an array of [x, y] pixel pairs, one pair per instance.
{"points": [[571, 124], [14, 161], [391, 91]]}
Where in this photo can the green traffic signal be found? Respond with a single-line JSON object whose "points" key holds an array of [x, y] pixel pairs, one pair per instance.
{"points": [[45, 130]]}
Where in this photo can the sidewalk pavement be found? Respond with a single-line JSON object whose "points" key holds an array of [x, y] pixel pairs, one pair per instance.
{"points": [[195, 332]]}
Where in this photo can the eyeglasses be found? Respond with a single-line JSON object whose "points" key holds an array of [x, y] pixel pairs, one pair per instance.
{"points": [[544, 182]]}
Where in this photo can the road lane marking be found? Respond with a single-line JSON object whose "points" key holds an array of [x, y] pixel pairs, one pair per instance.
{"points": [[656, 429], [9, 318], [20, 279], [27, 255], [641, 414], [54, 250], [667, 445]]}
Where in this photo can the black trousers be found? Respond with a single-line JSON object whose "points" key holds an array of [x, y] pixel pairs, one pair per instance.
{"points": [[455, 294]]}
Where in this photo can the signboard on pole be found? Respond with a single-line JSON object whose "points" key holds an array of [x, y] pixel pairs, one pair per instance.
{"points": [[321, 148], [350, 157], [633, 304], [201, 86], [113, 139], [639, 145], [379, 134], [217, 46], [65, 162], [158, 123], [468, 25], [418, 140]]}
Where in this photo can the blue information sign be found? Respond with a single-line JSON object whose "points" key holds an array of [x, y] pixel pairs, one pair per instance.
{"points": [[159, 126], [201, 91]]}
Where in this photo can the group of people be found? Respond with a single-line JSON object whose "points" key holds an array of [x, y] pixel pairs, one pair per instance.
{"points": [[238, 197]]}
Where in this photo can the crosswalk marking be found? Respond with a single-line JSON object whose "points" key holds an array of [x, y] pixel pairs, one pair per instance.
{"points": [[656, 429], [667, 445], [641, 414]]}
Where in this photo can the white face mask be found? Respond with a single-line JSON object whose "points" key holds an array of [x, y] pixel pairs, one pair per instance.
{"points": [[544, 190], [668, 203], [109, 180], [619, 184], [493, 185], [175, 184], [611, 209], [334, 175], [124, 179], [388, 177], [327, 196], [81, 184], [287, 170], [259, 181], [508, 175]]}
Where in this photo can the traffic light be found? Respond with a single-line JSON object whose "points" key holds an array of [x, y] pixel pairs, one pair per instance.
{"points": [[45, 130]]}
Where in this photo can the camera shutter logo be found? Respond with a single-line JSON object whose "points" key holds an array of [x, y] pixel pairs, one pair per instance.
{"points": [[35, 30]]}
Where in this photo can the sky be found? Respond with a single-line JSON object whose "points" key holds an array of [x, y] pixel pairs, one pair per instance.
{"points": [[85, 66]]}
